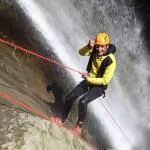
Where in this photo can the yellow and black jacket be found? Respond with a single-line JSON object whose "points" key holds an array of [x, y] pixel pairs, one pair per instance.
{"points": [[100, 68]]}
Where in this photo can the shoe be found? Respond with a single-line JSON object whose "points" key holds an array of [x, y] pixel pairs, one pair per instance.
{"points": [[77, 129], [57, 120]]}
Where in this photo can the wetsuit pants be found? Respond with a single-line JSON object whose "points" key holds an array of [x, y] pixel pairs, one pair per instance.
{"points": [[88, 93]]}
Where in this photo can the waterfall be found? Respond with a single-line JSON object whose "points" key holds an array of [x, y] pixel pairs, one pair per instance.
{"points": [[67, 25]]}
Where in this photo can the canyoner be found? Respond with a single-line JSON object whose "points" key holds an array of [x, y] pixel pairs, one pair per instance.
{"points": [[99, 72]]}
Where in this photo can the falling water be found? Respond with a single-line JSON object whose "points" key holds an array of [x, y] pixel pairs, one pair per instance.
{"points": [[67, 26]]}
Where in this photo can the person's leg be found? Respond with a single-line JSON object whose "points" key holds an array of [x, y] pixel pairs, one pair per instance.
{"points": [[76, 92], [92, 94], [79, 90]]}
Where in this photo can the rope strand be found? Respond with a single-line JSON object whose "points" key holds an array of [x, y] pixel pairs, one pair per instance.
{"points": [[40, 114], [38, 55], [114, 120]]}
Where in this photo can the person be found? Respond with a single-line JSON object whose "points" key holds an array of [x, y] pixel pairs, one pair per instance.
{"points": [[100, 70]]}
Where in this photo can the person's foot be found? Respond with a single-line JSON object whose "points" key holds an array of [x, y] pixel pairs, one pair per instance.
{"points": [[77, 129], [57, 120]]}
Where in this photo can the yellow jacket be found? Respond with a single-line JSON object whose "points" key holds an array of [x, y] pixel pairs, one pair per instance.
{"points": [[96, 64]]}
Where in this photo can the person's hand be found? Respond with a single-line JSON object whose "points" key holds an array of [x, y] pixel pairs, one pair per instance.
{"points": [[85, 75], [91, 43]]}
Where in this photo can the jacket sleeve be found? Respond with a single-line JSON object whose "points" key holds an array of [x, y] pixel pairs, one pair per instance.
{"points": [[106, 77], [85, 51]]}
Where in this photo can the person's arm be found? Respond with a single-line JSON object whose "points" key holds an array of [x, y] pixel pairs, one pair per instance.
{"points": [[106, 77], [87, 50]]}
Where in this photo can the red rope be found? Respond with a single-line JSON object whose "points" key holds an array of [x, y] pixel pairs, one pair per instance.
{"points": [[63, 66], [40, 114], [110, 114], [38, 55]]}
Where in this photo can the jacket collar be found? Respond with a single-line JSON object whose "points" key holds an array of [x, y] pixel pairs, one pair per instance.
{"points": [[111, 49]]}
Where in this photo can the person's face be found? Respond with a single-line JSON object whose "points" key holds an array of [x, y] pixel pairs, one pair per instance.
{"points": [[101, 49]]}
